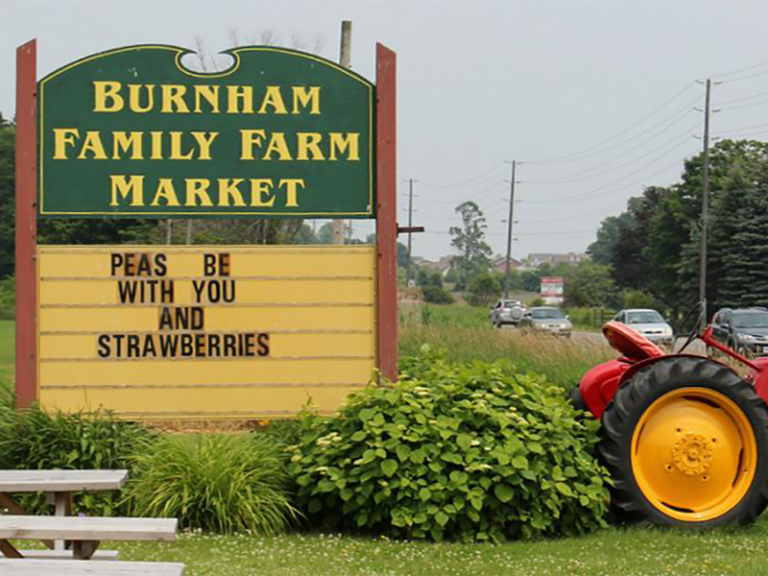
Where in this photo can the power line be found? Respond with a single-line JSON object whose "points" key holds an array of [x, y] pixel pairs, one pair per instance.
{"points": [[564, 158], [588, 193], [758, 95], [732, 80], [743, 128], [572, 177], [740, 70], [466, 182], [571, 199]]}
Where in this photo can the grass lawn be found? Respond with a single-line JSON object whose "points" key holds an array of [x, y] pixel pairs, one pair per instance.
{"points": [[627, 552]]}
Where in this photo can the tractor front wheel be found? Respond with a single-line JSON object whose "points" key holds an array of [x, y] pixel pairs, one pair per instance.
{"points": [[686, 443]]}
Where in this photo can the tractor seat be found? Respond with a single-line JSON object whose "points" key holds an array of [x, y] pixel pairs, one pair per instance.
{"points": [[632, 344]]}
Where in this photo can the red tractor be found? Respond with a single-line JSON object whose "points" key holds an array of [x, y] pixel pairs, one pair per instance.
{"points": [[684, 437]]}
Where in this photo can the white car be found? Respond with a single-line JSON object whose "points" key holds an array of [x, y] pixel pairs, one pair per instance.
{"points": [[647, 322]]}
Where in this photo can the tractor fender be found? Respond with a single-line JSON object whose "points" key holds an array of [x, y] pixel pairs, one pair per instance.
{"points": [[667, 357], [598, 386]]}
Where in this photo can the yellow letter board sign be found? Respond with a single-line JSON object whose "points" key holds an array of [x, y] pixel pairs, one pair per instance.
{"points": [[204, 332]]}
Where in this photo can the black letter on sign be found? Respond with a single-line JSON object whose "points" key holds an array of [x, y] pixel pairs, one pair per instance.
{"points": [[209, 264]]}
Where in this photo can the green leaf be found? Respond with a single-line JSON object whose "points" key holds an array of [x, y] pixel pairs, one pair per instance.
{"points": [[464, 441], [504, 493], [564, 489], [520, 462], [358, 436], [441, 518], [417, 456], [402, 451], [389, 467], [425, 494]]}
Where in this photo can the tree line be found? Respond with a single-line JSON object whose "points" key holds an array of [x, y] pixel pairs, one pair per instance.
{"points": [[654, 245]]}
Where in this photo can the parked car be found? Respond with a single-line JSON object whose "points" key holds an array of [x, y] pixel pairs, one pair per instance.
{"points": [[547, 320], [743, 329], [507, 312], [647, 322]]}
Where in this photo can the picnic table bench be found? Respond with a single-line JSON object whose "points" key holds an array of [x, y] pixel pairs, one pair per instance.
{"points": [[85, 533], [58, 486], [9, 567]]}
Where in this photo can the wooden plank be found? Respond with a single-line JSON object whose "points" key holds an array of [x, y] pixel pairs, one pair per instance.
{"points": [[386, 215], [61, 480], [26, 224], [109, 555], [27, 567], [86, 528]]}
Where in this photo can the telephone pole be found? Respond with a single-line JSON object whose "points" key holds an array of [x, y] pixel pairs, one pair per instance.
{"points": [[410, 226], [704, 210], [345, 59], [510, 222]]}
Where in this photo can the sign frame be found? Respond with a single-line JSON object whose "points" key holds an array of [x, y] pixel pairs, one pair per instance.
{"points": [[384, 172]]}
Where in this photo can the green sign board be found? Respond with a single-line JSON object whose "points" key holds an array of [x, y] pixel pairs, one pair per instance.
{"points": [[134, 133]]}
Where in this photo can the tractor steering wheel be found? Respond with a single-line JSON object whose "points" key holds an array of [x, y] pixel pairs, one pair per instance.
{"points": [[695, 330]]}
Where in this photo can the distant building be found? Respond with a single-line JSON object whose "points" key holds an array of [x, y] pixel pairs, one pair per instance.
{"points": [[571, 258], [500, 264], [443, 265]]}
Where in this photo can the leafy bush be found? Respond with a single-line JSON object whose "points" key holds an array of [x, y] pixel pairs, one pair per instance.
{"points": [[7, 299], [483, 290], [218, 482], [436, 295], [466, 451], [32, 439]]}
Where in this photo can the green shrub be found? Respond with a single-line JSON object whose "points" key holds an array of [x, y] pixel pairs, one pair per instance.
{"points": [[217, 482], [32, 439], [483, 290], [7, 299], [436, 295], [465, 451]]}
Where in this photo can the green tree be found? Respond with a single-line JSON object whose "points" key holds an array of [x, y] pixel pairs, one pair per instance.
{"points": [[469, 240], [483, 290], [7, 199], [429, 277], [589, 284], [601, 250]]}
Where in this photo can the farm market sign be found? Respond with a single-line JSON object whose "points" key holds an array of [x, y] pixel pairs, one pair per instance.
{"points": [[134, 132]]}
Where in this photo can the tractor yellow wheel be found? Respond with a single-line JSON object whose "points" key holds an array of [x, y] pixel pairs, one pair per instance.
{"points": [[686, 442], [694, 454]]}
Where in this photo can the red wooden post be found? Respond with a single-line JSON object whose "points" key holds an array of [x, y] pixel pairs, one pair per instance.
{"points": [[386, 217], [26, 224]]}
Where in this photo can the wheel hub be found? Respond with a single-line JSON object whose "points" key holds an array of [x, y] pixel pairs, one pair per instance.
{"points": [[692, 454]]}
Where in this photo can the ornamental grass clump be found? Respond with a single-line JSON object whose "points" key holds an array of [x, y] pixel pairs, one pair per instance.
{"points": [[216, 482], [467, 451]]}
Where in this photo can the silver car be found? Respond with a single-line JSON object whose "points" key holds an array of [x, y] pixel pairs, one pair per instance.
{"points": [[507, 312], [647, 322], [548, 320]]}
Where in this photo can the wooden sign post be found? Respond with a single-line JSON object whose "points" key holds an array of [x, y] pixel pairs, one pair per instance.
{"points": [[206, 331]]}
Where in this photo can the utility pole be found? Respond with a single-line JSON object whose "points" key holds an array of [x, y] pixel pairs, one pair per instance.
{"points": [[510, 222], [410, 225], [704, 210], [345, 59]]}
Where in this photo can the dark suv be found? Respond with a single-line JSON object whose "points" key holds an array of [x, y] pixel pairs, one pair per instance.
{"points": [[743, 329]]}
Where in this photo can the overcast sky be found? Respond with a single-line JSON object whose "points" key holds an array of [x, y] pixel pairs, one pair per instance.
{"points": [[605, 89]]}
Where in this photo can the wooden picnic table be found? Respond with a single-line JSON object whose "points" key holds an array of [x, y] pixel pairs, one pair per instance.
{"points": [[58, 486], [10, 567], [85, 533]]}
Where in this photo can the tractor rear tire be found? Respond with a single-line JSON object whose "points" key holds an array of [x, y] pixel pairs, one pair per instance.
{"points": [[686, 443]]}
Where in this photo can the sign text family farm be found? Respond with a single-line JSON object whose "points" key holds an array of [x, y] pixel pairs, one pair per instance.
{"points": [[134, 132]]}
